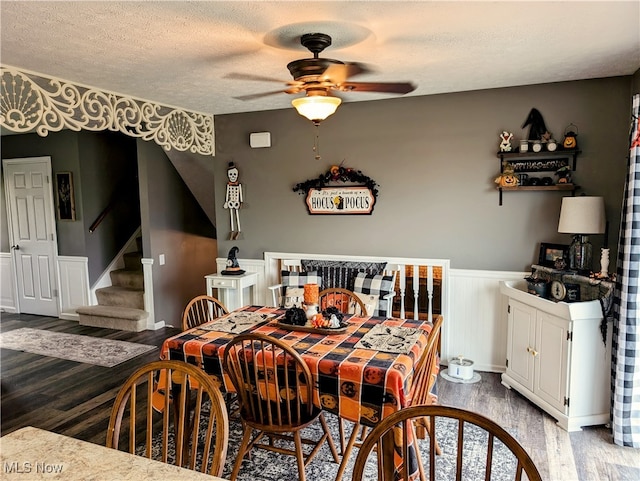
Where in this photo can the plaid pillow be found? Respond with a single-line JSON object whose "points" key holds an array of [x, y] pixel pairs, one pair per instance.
{"points": [[375, 284], [341, 273], [296, 279]]}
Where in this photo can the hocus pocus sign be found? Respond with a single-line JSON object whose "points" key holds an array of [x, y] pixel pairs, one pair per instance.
{"points": [[340, 200]]}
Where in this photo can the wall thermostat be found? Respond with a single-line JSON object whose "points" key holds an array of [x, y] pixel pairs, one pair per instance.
{"points": [[260, 139]]}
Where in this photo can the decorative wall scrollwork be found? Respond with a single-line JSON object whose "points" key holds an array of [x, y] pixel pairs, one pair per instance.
{"points": [[34, 102]]}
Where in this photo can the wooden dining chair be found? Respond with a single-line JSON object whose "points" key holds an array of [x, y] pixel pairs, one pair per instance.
{"points": [[481, 444], [275, 392], [341, 299], [421, 393], [189, 427], [426, 373], [202, 309]]}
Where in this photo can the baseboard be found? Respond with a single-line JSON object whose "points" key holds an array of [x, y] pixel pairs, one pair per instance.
{"points": [[70, 316]]}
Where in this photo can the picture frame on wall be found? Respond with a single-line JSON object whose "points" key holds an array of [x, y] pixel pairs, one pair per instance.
{"points": [[550, 253], [65, 197]]}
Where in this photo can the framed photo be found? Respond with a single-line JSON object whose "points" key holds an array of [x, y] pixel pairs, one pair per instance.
{"points": [[65, 199], [573, 292], [550, 253]]}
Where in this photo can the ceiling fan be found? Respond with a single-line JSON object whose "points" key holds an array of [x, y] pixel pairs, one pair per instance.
{"points": [[319, 77]]}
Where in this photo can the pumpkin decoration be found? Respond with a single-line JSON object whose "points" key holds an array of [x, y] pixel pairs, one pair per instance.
{"points": [[570, 133], [507, 178], [564, 175]]}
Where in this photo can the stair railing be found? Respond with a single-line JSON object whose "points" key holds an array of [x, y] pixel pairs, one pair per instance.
{"points": [[124, 187], [101, 217]]}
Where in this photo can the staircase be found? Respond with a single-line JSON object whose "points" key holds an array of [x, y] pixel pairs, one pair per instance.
{"points": [[120, 306]]}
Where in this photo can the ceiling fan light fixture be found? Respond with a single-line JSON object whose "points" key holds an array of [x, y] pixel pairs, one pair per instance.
{"points": [[316, 107]]}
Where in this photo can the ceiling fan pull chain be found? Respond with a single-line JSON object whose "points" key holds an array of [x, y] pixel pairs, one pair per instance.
{"points": [[316, 142]]}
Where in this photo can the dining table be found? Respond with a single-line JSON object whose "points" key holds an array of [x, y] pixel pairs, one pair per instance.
{"points": [[31, 453], [363, 371]]}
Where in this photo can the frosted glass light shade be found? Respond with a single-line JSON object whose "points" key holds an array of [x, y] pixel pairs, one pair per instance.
{"points": [[316, 108], [582, 215]]}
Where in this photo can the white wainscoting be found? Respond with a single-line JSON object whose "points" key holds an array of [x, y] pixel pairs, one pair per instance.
{"points": [[250, 265], [477, 328], [74, 286], [7, 283]]}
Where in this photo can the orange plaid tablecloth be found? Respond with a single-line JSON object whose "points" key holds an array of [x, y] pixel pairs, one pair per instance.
{"points": [[357, 384]]}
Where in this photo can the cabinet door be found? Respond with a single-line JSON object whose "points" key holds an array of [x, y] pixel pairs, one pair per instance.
{"points": [[521, 342], [551, 359]]}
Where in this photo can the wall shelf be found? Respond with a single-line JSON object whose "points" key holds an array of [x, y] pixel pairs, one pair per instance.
{"points": [[539, 162]]}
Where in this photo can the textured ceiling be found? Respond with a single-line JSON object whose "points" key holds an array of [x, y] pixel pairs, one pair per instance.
{"points": [[181, 53]]}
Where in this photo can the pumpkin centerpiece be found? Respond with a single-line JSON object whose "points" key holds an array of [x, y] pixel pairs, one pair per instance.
{"points": [[507, 178]]}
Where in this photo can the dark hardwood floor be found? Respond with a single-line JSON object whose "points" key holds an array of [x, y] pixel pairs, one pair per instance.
{"points": [[75, 399], [65, 397]]}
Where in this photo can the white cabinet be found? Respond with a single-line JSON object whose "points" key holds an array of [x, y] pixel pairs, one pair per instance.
{"points": [[556, 357]]}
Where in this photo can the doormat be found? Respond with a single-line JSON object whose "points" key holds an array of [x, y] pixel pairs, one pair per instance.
{"points": [[72, 347]]}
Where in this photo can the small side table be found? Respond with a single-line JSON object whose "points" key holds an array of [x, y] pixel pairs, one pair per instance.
{"points": [[231, 288]]}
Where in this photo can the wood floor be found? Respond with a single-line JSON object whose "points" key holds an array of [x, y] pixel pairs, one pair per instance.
{"points": [[75, 399]]}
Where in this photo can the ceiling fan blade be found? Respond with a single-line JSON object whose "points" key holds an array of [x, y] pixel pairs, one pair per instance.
{"points": [[257, 96], [388, 87], [339, 73]]}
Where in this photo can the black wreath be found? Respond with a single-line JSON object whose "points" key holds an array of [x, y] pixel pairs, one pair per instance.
{"points": [[337, 174]]}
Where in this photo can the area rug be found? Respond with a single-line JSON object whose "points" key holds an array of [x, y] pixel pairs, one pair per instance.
{"points": [[269, 466], [72, 347]]}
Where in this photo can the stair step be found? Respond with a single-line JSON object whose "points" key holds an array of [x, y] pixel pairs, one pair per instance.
{"points": [[120, 296], [113, 317], [133, 261], [127, 278]]}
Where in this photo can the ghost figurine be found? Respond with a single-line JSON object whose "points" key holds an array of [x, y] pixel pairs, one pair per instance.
{"points": [[505, 141], [334, 322], [233, 200]]}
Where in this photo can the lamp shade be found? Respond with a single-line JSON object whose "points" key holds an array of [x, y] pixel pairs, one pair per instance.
{"points": [[582, 215], [317, 107]]}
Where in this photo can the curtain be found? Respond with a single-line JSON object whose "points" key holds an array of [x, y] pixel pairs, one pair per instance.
{"points": [[625, 372]]}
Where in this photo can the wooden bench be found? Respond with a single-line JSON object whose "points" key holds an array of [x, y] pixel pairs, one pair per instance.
{"points": [[420, 285]]}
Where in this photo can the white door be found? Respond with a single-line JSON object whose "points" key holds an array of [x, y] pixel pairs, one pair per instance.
{"points": [[32, 233]]}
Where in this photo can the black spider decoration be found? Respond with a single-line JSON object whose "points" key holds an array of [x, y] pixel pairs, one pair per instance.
{"points": [[332, 310], [295, 316]]}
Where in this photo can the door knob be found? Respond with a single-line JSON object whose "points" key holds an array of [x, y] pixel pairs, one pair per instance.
{"points": [[16, 247]]}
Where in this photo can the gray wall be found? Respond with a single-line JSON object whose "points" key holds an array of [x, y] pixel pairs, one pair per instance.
{"points": [[99, 163], [108, 177], [175, 225], [435, 160], [62, 147]]}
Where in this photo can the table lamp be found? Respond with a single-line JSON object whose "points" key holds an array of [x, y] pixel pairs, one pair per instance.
{"points": [[581, 216]]}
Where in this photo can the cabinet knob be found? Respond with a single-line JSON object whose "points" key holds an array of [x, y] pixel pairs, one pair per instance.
{"points": [[532, 351]]}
